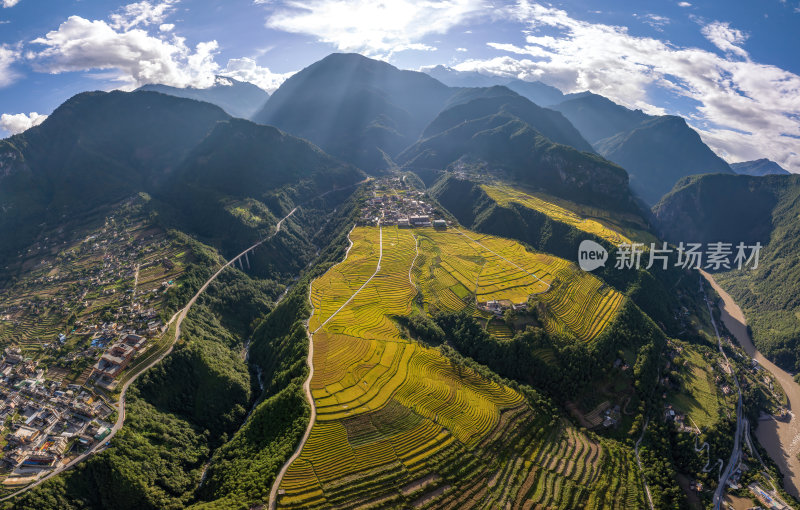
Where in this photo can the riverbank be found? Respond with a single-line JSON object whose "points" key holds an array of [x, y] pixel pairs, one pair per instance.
{"points": [[780, 439]]}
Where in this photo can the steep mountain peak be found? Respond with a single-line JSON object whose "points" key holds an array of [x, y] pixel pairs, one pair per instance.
{"points": [[361, 110], [759, 167], [548, 123], [597, 117], [538, 92]]}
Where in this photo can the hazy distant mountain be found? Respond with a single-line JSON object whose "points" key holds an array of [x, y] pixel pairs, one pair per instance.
{"points": [[361, 110], [659, 152], [238, 98], [498, 136], [655, 150], [759, 167], [453, 78], [549, 123], [597, 117], [538, 92]]}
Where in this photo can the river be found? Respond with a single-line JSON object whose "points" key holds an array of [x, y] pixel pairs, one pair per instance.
{"points": [[780, 439]]}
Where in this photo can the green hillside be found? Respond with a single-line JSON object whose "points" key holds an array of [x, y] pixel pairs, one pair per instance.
{"points": [[708, 208]]}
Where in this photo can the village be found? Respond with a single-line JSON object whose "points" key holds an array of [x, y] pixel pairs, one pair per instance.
{"points": [[70, 329], [44, 422], [395, 202]]}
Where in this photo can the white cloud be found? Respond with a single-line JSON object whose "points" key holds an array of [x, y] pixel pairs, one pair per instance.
{"points": [[138, 58], [373, 28], [725, 38], [684, 4], [8, 56], [166, 27], [461, 49], [142, 13], [654, 20], [17, 123], [246, 69], [10, 3], [745, 109]]}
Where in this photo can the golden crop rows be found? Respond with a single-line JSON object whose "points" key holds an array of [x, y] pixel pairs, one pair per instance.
{"points": [[392, 412], [503, 195]]}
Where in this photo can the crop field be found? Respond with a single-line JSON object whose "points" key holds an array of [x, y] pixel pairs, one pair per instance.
{"points": [[398, 424], [580, 304], [92, 273], [700, 400], [562, 211]]}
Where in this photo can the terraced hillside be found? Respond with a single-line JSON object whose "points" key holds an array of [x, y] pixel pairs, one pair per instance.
{"points": [[398, 424], [453, 267], [558, 210]]}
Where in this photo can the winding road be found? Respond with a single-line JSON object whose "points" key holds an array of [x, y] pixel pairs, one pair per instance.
{"points": [[736, 453], [273, 493], [781, 439], [178, 319]]}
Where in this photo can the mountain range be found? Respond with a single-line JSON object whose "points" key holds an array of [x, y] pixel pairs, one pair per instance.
{"points": [[237, 98], [522, 174], [655, 150], [98, 148]]}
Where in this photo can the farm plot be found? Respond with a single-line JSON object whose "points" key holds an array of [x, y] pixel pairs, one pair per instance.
{"points": [[503, 195], [580, 304], [392, 413]]}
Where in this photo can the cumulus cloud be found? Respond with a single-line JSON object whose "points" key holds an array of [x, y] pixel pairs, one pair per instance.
{"points": [[166, 27], [10, 3], [725, 38], [373, 28], [137, 57], [684, 4], [17, 123], [461, 49], [246, 69], [745, 109]]}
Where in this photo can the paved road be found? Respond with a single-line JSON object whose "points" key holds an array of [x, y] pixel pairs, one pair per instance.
{"points": [[178, 316], [736, 453], [273, 493]]}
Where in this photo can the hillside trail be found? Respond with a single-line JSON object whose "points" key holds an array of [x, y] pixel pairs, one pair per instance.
{"points": [[273, 493]]}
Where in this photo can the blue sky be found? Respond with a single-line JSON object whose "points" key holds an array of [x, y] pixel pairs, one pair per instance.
{"points": [[731, 68]]}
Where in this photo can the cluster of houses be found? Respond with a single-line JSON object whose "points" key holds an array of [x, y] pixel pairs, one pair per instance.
{"points": [[43, 421], [116, 359], [395, 203], [498, 307], [768, 498], [83, 276]]}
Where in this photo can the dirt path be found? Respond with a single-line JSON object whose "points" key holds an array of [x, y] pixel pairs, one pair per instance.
{"points": [[503, 258], [780, 439]]}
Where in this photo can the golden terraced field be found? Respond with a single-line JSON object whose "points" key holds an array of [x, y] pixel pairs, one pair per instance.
{"points": [[504, 195], [399, 425]]}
